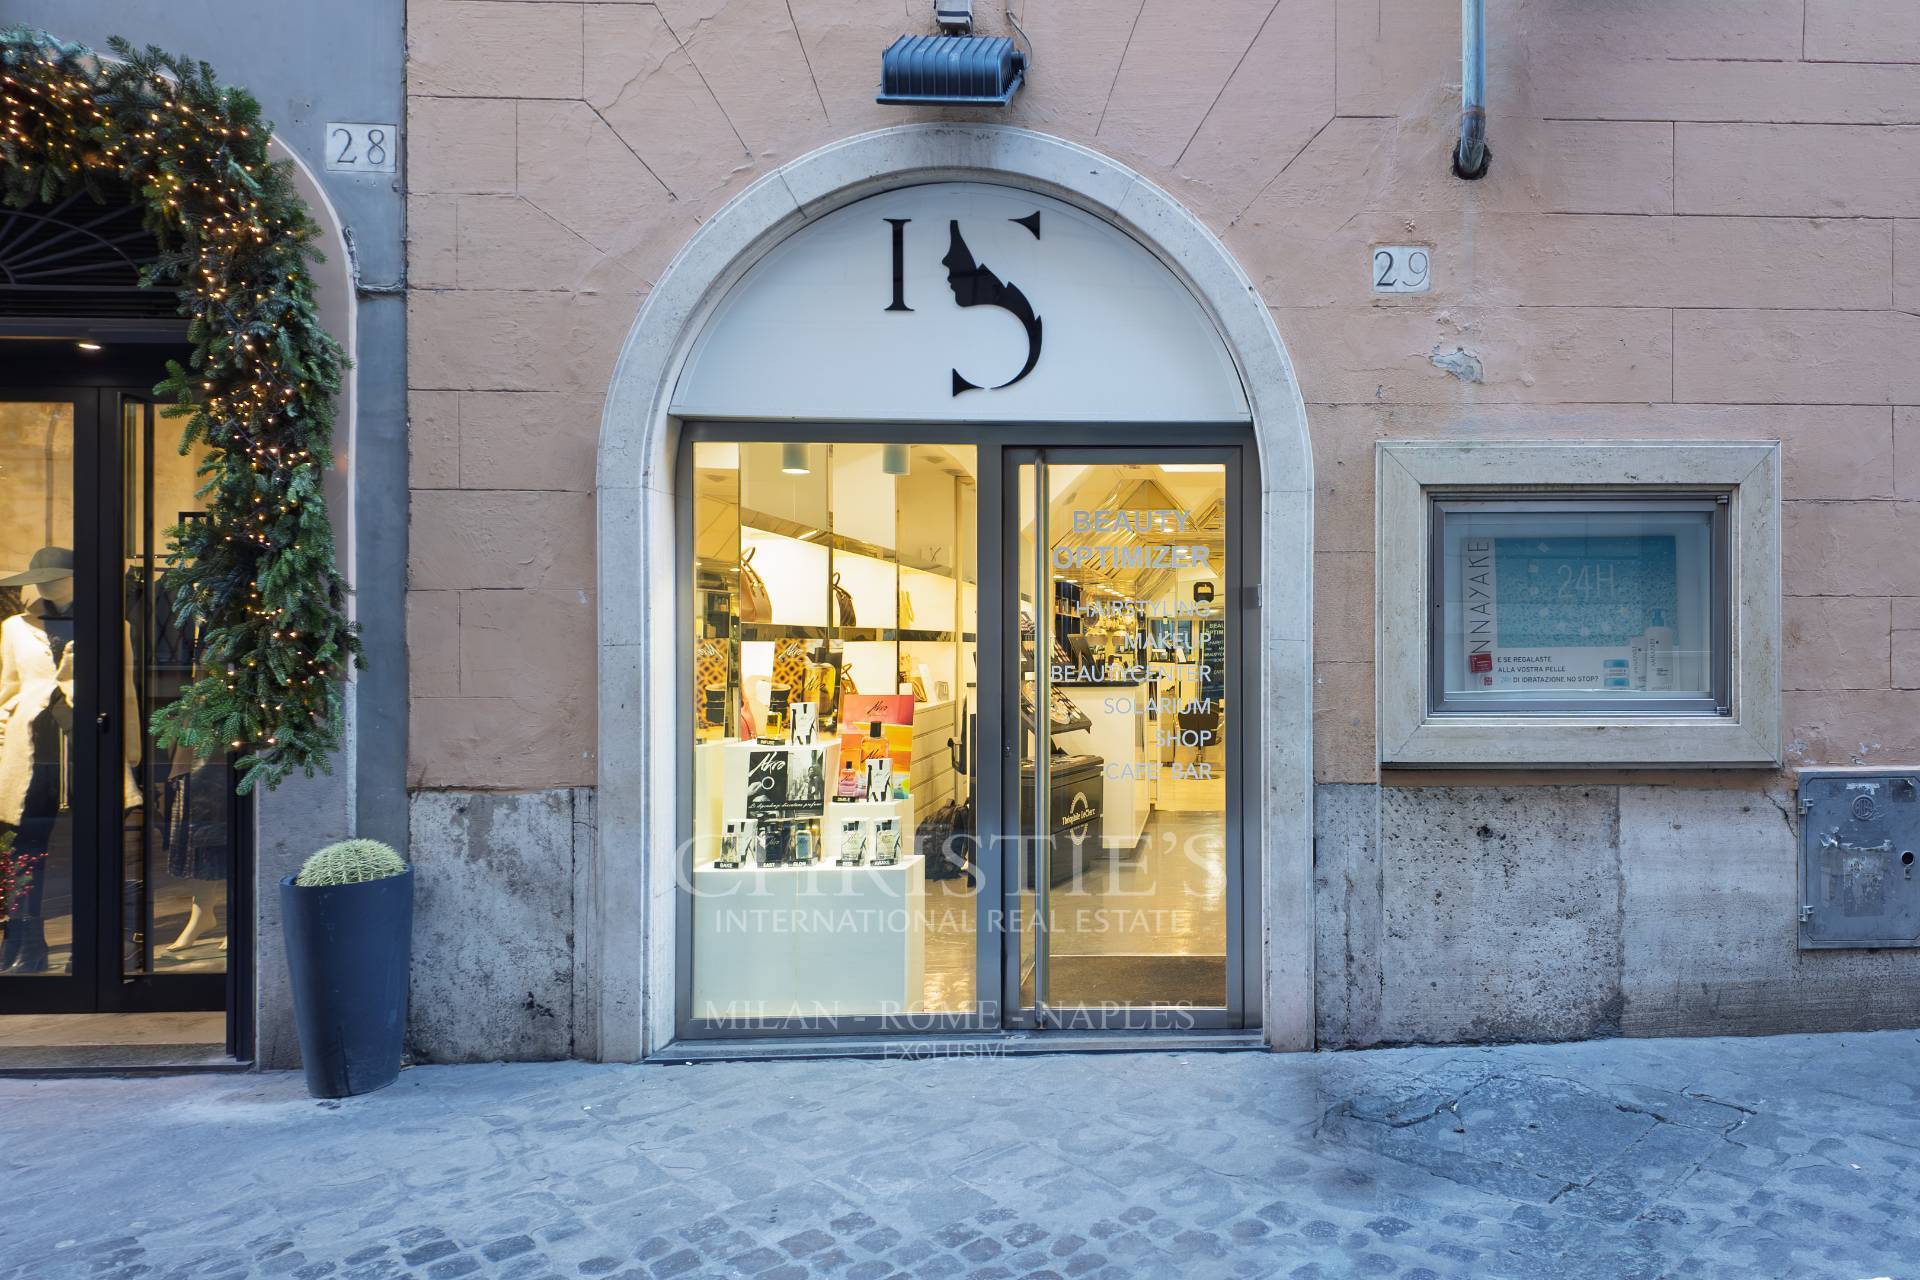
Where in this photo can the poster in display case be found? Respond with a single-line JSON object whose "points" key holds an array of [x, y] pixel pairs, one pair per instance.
{"points": [[782, 782], [1571, 601], [1580, 613]]}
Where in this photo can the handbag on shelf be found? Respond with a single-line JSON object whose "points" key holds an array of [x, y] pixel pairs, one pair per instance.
{"points": [[755, 604], [842, 604]]}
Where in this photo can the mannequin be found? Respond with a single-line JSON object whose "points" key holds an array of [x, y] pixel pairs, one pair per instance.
{"points": [[36, 717], [36, 725], [195, 832]]}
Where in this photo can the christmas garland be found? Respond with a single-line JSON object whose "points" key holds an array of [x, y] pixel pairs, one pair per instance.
{"points": [[256, 576]]}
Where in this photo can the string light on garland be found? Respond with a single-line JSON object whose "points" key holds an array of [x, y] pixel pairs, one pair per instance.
{"points": [[257, 575]]}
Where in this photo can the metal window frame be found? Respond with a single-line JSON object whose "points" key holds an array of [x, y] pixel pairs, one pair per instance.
{"points": [[1715, 502], [1242, 997], [997, 617]]}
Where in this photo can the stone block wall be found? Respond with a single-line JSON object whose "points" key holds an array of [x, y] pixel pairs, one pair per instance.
{"points": [[496, 975], [1515, 912]]}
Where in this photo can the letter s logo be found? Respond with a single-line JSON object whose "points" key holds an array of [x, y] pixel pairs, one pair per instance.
{"points": [[975, 285]]}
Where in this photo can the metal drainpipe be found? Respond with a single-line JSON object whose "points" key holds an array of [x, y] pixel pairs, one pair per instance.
{"points": [[1471, 156]]}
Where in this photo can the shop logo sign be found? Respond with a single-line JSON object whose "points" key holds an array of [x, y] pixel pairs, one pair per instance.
{"points": [[974, 285]]}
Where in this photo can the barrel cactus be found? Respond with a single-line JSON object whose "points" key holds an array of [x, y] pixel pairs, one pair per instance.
{"points": [[350, 862]]}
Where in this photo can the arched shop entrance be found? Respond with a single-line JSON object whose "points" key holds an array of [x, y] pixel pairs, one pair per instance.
{"points": [[124, 861], [127, 875], [954, 529]]}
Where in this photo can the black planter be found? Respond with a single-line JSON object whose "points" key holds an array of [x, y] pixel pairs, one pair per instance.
{"points": [[348, 949]]}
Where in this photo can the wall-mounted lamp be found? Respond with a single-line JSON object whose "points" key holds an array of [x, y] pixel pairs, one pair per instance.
{"points": [[793, 459], [980, 71]]}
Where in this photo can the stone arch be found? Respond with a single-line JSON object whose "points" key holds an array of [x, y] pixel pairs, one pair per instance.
{"points": [[302, 813], [627, 932]]}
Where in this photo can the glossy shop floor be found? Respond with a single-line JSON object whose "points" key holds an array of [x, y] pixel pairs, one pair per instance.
{"points": [[139, 1041], [107, 1041], [1753, 1159], [1146, 925]]}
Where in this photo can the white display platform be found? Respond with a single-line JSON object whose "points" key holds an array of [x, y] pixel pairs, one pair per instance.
{"points": [[809, 941]]}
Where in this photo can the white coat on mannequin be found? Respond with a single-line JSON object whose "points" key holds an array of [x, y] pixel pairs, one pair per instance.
{"points": [[29, 677]]}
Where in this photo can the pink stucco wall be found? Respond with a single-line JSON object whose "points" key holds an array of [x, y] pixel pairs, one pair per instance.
{"points": [[1702, 221]]}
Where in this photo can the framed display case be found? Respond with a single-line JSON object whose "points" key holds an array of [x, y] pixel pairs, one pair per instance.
{"points": [[1578, 604]]}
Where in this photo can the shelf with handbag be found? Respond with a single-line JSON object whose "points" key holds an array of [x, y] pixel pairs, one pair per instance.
{"points": [[753, 632], [761, 523]]}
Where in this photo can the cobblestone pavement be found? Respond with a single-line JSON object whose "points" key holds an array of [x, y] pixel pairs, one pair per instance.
{"points": [[1794, 1156]]}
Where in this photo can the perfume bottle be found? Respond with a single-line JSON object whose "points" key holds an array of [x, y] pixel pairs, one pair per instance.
{"points": [[886, 843], [774, 731], [849, 785]]}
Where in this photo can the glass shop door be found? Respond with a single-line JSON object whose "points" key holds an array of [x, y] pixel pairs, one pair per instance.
{"points": [[1124, 878], [117, 857]]}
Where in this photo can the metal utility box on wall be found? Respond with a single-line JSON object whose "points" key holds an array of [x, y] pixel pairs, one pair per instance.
{"points": [[1859, 844]]}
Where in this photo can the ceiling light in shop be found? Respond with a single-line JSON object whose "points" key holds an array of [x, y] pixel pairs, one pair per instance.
{"points": [[893, 459], [793, 460]]}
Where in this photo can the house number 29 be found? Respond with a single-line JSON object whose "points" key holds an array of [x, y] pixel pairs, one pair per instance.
{"points": [[1401, 269], [362, 148]]}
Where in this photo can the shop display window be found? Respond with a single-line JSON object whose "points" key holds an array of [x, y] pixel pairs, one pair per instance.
{"points": [[834, 687]]}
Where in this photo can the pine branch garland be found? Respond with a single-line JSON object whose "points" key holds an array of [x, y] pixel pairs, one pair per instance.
{"points": [[258, 574]]}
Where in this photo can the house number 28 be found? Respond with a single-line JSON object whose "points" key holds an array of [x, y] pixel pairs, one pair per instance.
{"points": [[361, 148]]}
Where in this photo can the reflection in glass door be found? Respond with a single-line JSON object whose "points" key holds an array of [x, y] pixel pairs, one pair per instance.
{"points": [[177, 823], [41, 764], [117, 857], [1127, 892]]}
